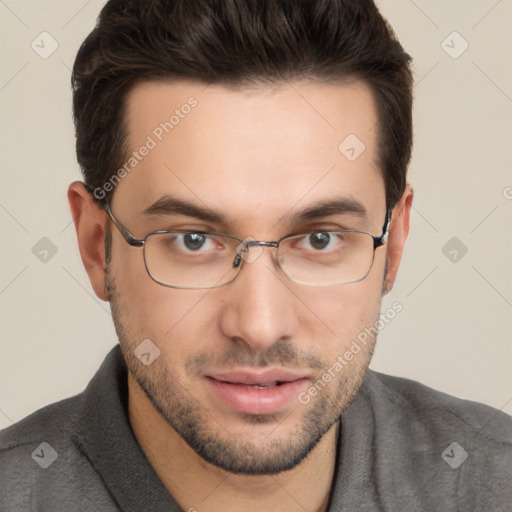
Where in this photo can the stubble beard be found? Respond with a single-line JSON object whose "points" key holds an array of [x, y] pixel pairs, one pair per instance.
{"points": [[237, 453]]}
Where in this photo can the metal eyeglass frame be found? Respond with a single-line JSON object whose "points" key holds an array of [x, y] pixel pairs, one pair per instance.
{"points": [[378, 241]]}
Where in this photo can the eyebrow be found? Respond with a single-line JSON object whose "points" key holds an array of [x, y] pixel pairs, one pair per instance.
{"points": [[169, 205], [338, 206]]}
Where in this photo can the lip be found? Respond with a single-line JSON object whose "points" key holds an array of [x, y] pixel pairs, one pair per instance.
{"points": [[251, 377], [236, 389]]}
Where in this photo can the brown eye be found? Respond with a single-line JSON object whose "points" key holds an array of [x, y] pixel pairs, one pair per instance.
{"points": [[319, 241], [194, 241]]}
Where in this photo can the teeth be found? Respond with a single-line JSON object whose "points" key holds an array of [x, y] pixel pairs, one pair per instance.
{"points": [[258, 386], [264, 386]]}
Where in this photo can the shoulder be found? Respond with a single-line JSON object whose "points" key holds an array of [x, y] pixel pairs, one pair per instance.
{"points": [[37, 450], [42, 465], [440, 411], [54, 419], [428, 449], [54, 423], [442, 448], [49, 460], [62, 421]]}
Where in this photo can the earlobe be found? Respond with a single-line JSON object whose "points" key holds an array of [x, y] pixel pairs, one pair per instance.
{"points": [[90, 222], [398, 236]]}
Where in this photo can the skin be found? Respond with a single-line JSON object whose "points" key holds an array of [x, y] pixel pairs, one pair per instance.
{"points": [[257, 156]]}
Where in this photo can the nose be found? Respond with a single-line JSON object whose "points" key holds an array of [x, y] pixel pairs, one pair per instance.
{"points": [[259, 306]]}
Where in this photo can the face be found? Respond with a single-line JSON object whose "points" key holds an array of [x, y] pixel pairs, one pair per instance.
{"points": [[235, 361]]}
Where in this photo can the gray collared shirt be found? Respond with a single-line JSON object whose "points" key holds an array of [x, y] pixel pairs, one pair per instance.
{"points": [[403, 447]]}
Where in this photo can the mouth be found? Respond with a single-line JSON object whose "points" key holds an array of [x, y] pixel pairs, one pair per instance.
{"points": [[256, 393], [262, 386]]}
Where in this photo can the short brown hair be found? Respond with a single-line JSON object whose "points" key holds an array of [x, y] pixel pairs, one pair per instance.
{"points": [[237, 43]]}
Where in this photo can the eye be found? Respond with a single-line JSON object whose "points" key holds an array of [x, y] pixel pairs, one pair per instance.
{"points": [[193, 242], [321, 241]]}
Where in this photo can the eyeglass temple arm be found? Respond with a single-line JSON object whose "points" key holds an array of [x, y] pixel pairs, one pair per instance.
{"points": [[130, 239]]}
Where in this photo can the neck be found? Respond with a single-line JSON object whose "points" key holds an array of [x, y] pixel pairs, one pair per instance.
{"points": [[197, 484]]}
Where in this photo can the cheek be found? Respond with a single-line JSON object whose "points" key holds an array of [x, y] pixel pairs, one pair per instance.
{"points": [[343, 312], [157, 312]]}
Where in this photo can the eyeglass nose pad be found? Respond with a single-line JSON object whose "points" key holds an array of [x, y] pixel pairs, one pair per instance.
{"points": [[237, 261]]}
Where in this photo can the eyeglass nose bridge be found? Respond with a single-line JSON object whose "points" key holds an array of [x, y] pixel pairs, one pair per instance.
{"points": [[253, 243], [243, 250]]}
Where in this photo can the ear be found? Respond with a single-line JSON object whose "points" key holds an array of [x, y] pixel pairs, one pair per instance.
{"points": [[90, 222], [398, 236]]}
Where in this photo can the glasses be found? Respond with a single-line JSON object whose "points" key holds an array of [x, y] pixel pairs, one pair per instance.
{"points": [[201, 260]]}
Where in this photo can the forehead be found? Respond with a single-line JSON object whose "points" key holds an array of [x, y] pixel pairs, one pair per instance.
{"points": [[256, 152]]}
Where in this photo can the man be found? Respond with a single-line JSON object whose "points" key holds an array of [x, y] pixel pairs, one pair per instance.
{"points": [[245, 209]]}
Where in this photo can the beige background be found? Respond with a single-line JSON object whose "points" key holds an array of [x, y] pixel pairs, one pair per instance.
{"points": [[454, 330]]}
